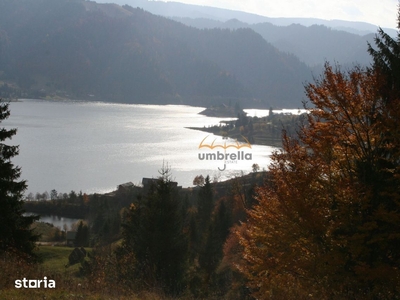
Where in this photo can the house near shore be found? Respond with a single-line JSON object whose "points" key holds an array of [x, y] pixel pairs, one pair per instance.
{"points": [[70, 237]]}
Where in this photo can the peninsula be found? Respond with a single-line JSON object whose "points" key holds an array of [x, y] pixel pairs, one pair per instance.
{"points": [[259, 131]]}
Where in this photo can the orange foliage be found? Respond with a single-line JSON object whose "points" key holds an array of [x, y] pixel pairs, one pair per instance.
{"points": [[327, 223], [86, 199]]}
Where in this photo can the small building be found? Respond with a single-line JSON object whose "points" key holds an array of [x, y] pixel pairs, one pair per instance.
{"points": [[70, 237], [148, 182], [125, 187]]}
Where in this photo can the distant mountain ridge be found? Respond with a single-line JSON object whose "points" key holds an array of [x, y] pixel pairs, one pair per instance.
{"points": [[312, 40], [84, 50], [181, 10], [313, 45]]}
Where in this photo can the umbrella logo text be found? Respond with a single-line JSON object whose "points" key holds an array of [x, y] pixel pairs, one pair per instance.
{"points": [[224, 145]]}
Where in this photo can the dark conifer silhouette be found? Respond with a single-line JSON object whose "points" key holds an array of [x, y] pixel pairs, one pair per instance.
{"points": [[15, 232], [154, 235]]}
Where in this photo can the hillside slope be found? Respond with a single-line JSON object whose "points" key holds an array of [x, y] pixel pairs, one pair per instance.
{"points": [[85, 50]]}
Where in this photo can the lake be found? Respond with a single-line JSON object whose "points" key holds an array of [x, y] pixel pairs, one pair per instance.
{"points": [[57, 221], [93, 146]]}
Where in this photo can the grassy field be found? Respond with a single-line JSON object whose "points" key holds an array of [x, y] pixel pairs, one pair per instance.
{"points": [[55, 260], [54, 267], [69, 285]]}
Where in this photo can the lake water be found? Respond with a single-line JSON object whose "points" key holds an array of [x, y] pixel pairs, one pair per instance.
{"points": [[57, 221], [93, 147]]}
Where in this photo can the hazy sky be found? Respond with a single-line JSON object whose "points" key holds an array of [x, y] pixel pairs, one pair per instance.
{"points": [[378, 12]]}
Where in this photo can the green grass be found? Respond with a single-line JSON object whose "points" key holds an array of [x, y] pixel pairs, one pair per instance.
{"points": [[45, 230], [55, 259]]}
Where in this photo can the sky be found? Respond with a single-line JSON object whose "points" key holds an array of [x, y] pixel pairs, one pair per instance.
{"points": [[382, 13]]}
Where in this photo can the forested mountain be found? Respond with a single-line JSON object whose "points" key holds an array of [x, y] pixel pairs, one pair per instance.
{"points": [[313, 45], [84, 50], [312, 40]]}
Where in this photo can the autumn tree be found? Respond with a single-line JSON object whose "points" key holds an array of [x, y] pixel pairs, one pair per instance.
{"points": [[327, 222], [198, 180], [15, 232]]}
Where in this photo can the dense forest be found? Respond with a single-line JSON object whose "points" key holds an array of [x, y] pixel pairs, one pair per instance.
{"points": [[85, 50]]}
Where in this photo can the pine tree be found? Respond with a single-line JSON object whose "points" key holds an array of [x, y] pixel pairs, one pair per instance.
{"points": [[210, 255], [205, 206], [387, 65], [154, 233], [15, 233], [82, 235], [387, 62]]}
